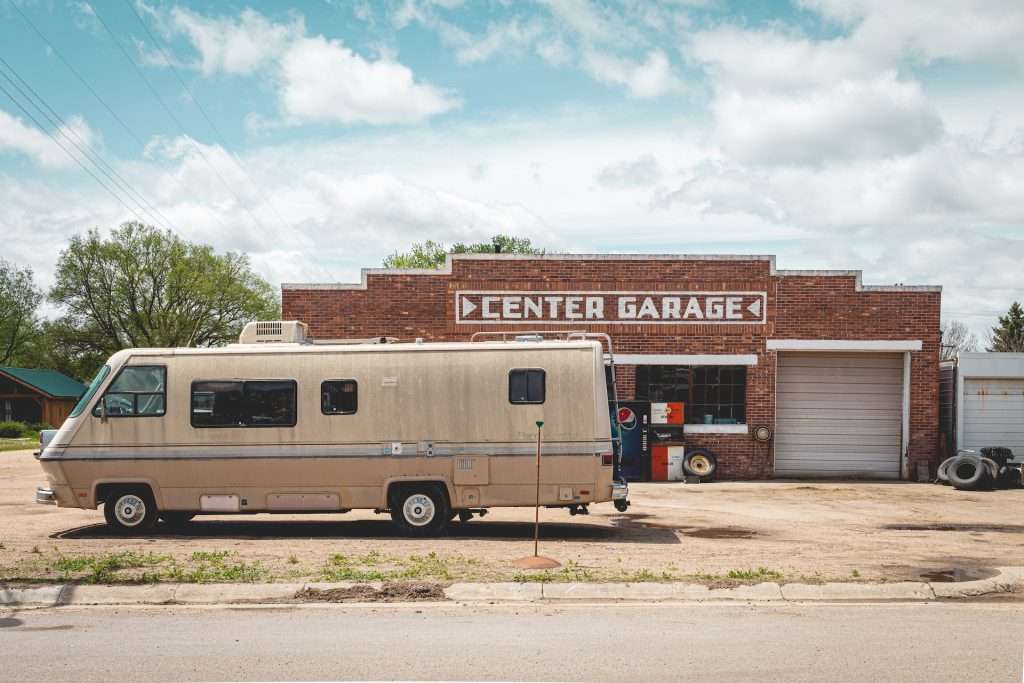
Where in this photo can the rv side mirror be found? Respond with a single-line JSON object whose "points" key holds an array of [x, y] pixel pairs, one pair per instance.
{"points": [[103, 408]]}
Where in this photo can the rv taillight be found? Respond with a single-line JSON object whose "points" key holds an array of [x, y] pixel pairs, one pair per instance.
{"points": [[607, 459]]}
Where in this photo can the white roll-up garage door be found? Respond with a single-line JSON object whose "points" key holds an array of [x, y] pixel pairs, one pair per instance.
{"points": [[839, 415], [993, 413]]}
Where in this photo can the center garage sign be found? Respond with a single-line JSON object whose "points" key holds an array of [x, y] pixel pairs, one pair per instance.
{"points": [[609, 308]]}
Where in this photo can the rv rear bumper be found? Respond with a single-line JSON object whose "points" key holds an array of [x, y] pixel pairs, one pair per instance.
{"points": [[45, 496]]}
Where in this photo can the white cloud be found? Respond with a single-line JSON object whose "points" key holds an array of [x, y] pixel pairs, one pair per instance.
{"points": [[16, 135], [783, 61], [930, 30], [317, 79], [650, 78], [500, 38], [642, 172], [848, 120], [325, 81], [238, 46]]}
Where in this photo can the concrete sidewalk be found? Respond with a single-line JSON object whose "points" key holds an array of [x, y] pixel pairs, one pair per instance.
{"points": [[1008, 583]]}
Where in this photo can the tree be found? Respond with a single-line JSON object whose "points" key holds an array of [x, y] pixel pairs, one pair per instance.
{"points": [[956, 338], [19, 300], [144, 287], [1009, 334], [432, 254]]}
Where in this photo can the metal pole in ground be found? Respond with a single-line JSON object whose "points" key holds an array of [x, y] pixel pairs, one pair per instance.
{"points": [[536, 561]]}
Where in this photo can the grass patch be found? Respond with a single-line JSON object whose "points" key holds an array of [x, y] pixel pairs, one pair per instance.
{"points": [[18, 444], [104, 568], [376, 567]]}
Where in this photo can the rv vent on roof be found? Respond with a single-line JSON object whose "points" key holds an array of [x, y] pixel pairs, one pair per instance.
{"points": [[277, 331]]}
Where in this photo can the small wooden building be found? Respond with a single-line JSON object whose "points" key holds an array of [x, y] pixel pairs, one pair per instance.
{"points": [[32, 395]]}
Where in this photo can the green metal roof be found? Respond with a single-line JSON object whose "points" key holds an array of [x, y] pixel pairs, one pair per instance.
{"points": [[50, 382]]}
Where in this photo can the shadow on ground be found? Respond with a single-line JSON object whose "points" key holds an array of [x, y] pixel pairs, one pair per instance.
{"points": [[622, 530]]}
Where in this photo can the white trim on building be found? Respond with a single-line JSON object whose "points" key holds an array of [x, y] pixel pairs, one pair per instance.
{"points": [[856, 345]]}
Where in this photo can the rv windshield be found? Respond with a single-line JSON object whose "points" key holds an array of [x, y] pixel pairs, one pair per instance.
{"points": [[91, 391]]}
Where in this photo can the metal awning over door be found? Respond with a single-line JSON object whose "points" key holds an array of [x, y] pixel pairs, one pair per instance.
{"points": [[839, 415]]}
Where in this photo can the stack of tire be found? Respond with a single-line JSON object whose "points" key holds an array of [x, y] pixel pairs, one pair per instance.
{"points": [[989, 469]]}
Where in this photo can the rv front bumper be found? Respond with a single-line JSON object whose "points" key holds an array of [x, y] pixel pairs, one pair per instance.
{"points": [[45, 496]]}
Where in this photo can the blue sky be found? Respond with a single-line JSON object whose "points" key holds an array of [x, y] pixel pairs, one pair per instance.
{"points": [[319, 137]]}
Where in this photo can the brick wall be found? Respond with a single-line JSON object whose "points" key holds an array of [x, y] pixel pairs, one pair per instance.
{"points": [[798, 307]]}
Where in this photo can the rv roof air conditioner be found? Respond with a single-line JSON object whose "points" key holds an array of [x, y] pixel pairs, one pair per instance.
{"points": [[275, 332]]}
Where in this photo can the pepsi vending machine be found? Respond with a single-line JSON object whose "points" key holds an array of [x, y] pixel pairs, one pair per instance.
{"points": [[649, 431], [635, 420]]}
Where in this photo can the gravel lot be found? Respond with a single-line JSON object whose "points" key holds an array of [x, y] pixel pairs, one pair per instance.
{"points": [[767, 530]]}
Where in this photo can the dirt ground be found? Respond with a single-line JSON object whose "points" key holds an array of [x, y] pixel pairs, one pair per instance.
{"points": [[717, 533]]}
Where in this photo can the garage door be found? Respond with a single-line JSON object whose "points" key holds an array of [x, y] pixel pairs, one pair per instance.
{"points": [[993, 413], [839, 415]]}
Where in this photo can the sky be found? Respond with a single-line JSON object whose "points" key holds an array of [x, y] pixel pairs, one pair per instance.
{"points": [[322, 136]]}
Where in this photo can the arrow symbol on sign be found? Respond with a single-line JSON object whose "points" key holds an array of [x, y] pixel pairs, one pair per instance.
{"points": [[467, 307], [755, 308]]}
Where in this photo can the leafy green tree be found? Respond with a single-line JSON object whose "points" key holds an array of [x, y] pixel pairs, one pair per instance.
{"points": [[19, 301], [146, 288], [432, 254], [1008, 335]]}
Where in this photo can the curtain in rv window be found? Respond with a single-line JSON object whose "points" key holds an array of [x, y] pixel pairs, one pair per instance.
{"points": [[243, 403]]}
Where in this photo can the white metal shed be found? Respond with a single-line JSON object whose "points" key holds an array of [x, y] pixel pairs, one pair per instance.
{"points": [[990, 401]]}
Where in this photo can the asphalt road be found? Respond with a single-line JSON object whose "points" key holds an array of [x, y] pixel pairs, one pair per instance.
{"points": [[906, 642]]}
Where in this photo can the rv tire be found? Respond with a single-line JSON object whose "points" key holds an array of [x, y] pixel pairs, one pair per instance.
{"points": [[420, 509], [130, 509]]}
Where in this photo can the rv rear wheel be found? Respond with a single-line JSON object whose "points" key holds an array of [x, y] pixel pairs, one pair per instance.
{"points": [[420, 510], [130, 509]]}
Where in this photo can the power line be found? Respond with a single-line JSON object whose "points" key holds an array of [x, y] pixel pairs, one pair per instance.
{"points": [[161, 46], [79, 76], [173, 117], [83, 147], [66, 151]]}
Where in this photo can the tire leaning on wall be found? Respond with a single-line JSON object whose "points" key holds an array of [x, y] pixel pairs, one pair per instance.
{"points": [[700, 463], [967, 472]]}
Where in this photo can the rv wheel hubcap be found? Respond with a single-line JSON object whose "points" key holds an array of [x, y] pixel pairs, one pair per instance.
{"points": [[418, 509], [130, 510]]}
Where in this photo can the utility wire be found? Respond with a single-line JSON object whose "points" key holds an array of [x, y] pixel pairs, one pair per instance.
{"points": [[79, 76], [128, 129], [174, 118], [161, 46], [68, 152], [66, 131]]}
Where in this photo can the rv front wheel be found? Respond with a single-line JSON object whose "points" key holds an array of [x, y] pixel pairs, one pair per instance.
{"points": [[130, 510], [420, 510]]}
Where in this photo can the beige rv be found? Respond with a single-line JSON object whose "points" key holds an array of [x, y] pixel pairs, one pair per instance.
{"points": [[425, 431]]}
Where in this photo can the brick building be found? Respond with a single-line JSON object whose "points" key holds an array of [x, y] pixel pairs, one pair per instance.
{"points": [[845, 375]]}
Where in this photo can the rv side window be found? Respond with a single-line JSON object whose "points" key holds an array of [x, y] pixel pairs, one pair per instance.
{"points": [[237, 403], [526, 386], [137, 391], [339, 397]]}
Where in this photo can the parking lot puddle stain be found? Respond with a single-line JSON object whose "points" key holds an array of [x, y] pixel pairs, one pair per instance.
{"points": [[997, 528], [719, 532], [956, 575]]}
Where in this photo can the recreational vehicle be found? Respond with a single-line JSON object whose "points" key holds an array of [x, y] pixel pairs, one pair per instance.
{"points": [[277, 423]]}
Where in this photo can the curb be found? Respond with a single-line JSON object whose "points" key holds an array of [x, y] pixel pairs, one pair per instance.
{"points": [[1009, 581]]}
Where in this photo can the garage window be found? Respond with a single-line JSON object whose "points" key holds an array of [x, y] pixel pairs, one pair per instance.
{"points": [[712, 394]]}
